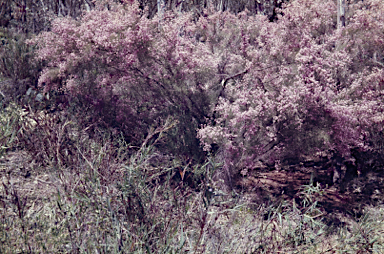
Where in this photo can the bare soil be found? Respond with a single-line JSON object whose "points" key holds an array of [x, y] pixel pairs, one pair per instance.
{"points": [[350, 197]]}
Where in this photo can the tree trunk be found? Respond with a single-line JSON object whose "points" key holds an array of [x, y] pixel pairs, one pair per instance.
{"points": [[340, 13], [160, 8]]}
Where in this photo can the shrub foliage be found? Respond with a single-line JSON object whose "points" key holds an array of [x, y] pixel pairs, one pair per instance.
{"points": [[258, 90], [308, 87]]}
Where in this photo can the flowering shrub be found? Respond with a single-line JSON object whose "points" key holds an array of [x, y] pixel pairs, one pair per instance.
{"points": [[258, 90], [309, 87], [130, 71]]}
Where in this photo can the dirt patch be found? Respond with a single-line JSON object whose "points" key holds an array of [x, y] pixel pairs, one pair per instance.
{"points": [[349, 197]]}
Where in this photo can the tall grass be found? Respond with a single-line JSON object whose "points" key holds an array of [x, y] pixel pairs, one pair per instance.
{"points": [[98, 194]]}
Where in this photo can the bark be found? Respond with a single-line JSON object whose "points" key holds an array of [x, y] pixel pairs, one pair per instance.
{"points": [[340, 13]]}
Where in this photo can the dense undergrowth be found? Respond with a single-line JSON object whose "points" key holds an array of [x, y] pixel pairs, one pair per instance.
{"points": [[121, 133], [74, 193]]}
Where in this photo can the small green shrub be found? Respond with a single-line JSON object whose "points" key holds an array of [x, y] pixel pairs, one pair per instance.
{"points": [[18, 70]]}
